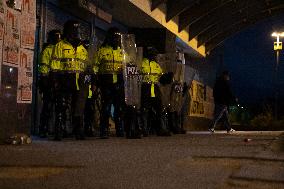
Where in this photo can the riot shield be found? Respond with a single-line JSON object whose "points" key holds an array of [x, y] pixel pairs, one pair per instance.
{"points": [[176, 95], [165, 62], [177, 86], [132, 62], [165, 85], [180, 67]]}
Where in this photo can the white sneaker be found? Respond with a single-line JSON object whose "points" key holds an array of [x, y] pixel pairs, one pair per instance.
{"points": [[231, 131], [212, 130]]}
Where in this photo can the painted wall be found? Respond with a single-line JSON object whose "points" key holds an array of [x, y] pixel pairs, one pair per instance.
{"points": [[200, 74], [17, 39]]}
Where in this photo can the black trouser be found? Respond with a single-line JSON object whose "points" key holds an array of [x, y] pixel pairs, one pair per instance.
{"points": [[45, 112], [175, 122], [60, 113], [89, 116], [92, 112], [112, 94], [152, 114], [132, 122], [65, 87]]}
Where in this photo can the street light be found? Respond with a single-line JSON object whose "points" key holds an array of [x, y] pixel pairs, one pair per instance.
{"points": [[277, 48]]}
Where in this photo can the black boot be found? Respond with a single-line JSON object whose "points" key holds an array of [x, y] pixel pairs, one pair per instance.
{"points": [[119, 126], [175, 123], [58, 128], [43, 129], [163, 125], [44, 121], [78, 128], [144, 119], [171, 121], [60, 117], [132, 124]]}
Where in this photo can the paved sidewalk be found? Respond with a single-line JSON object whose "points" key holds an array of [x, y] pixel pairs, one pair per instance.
{"points": [[195, 160]]}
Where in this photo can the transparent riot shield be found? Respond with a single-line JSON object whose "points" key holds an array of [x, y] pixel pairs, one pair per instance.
{"points": [[180, 71], [132, 62], [164, 60], [177, 86]]}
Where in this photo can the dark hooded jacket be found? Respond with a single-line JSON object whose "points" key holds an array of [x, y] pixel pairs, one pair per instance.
{"points": [[222, 92]]}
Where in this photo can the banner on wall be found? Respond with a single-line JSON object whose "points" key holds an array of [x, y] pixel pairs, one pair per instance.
{"points": [[197, 99], [25, 76], [201, 104]]}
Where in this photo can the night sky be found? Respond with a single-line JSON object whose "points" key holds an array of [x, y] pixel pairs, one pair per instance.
{"points": [[250, 58]]}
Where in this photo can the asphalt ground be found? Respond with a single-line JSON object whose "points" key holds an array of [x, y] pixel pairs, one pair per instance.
{"points": [[194, 160]]}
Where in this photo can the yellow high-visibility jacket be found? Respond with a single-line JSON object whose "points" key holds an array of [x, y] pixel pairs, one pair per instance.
{"points": [[151, 70], [45, 60], [109, 61], [67, 58]]}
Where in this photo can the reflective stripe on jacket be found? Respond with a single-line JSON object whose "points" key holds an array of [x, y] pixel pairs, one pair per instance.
{"points": [[67, 58], [109, 61], [151, 71]]}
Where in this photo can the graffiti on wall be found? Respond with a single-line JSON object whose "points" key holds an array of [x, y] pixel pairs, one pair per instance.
{"points": [[197, 99]]}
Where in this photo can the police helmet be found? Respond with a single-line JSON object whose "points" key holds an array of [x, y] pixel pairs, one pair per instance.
{"points": [[151, 53], [72, 30], [54, 36], [113, 38]]}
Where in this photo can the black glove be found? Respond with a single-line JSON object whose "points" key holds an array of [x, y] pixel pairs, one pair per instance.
{"points": [[166, 78], [184, 90]]}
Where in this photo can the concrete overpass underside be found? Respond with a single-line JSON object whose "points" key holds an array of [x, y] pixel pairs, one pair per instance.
{"points": [[205, 24]]}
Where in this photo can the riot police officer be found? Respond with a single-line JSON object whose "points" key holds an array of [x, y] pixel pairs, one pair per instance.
{"points": [[109, 61], [70, 61], [177, 95], [54, 36], [151, 95]]}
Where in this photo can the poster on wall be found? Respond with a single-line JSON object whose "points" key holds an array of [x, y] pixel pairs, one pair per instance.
{"points": [[2, 26], [25, 76], [1, 5], [28, 24], [28, 32], [2, 22], [11, 48], [29, 8], [197, 99], [1, 56]]}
